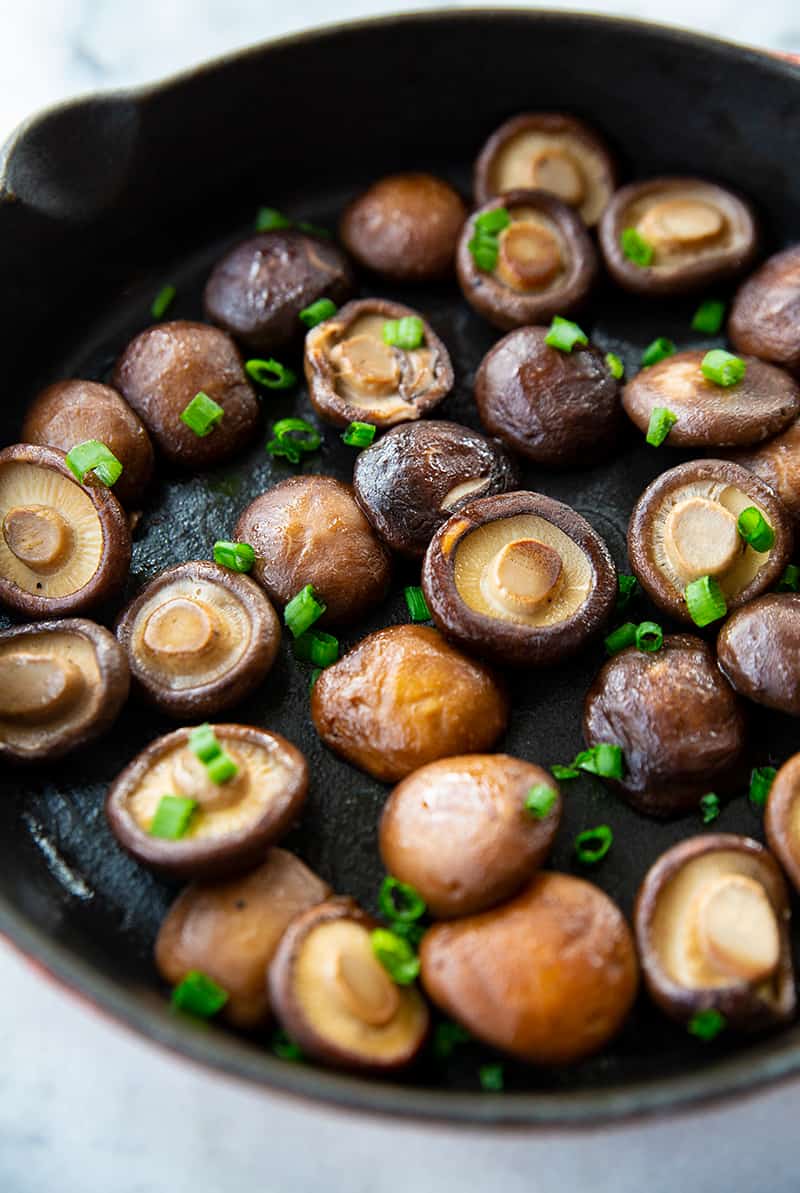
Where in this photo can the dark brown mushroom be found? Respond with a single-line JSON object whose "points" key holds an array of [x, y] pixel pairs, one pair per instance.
{"points": [[258, 289], [685, 526], [310, 530], [418, 474], [230, 931], [549, 977], [519, 578], [334, 998], [548, 151], [777, 462], [405, 227], [557, 408], [404, 697], [234, 821], [354, 375], [546, 262], [696, 231], [759, 651], [712, 926], [678, 722], [65, 547], [765, 316], [165, 367], [199, 638], [782, 818], [62, 684], [458, 830]]}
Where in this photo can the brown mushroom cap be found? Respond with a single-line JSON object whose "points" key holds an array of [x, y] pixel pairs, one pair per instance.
{"points": [[403, 697], [550, 152], [684, 526], [310, 530], [71, 412], [699, 232], [677, 720], [777, 462], [230, 931], [712, 926], [782, 818], [549, 977], [165, 367], [546, 263], [457, 830], [405, 227], [234, 822], [62, 684], [557, 408], [418, 474], [64, 547], [763, 403], [354, 376], [758, 649], [519, 578], [258, 289], [765, 316], [335, 999], [199, 638]]}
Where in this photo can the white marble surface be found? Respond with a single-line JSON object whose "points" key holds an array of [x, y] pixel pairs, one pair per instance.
{"points": [[86, 1107]]}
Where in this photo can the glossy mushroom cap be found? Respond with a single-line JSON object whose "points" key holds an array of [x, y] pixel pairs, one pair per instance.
{"points": [[677, 720], [230, 931], [62, 684], [777, 463], [765, 316], [698, 232], [763, 403], [199, 638], [458, 831], [418, 474], [404, 697], [165, 367], [258, 289], [64, 547], [355, 376], [549, 977], [234, 822], [405, 227], [519, 578], [684, 527], [310, 530], [557, 408], [712, 926], [759, 651], [782, 818], [335, 999], [550, 152], [546, 262]]}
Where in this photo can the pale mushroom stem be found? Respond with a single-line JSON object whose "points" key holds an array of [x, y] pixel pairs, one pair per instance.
{"points": [[736, 928], [191, 779], [556, 170], [368, 364], [701, 538], [38, 536], [529, 255], [37, 688], [364, 986], [676, 225], [523, 575], [181, 627]]}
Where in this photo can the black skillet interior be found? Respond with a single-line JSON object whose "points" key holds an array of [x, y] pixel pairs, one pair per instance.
{"points": [[106, 200]]}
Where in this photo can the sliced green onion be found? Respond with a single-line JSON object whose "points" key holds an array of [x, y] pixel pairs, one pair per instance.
{"points": [[615, 366], [491, 223], [540, 800], [163, 301], [709, 807], [660, 349], [359, 434], [761, 780], [221, 769], [484, 245], [446, 1038], [604, 759], [292, 438], [269, 219], [395, 955], [705, 601], [790, 580], [199, 995], [755, 529], [562, 773], [620, 638], [628, 588], [649, 637], [492, 1078], [285, 1048], [564, 335], [172, 818], [592, 845], [239, 557], [203, 743], [412, 932], [407, 333], [315, 674], [202, 414], [313, 229], [706, 1025], [93, 456], [303, 610], [484, 252], [661, 423], [634, 246], [271, 374], [417, 605], [723, 368], [318, 312], [317, 647], [411, 905], [709, 316]]}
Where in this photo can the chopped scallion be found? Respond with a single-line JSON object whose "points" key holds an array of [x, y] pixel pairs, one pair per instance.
{"points": [[634, 246], [292, 438], [317, 647], [269, 219], [790, 580], [172, 818], [318, 312], [163, 301], [359, 434], [706, 1025], [315, 674], [93, 456], [303, 610], [484, 244], [723, 368], [592, 845], [199, 995], [562, 773], [649, 637], [407, 333], [709, 807], [493, 222], [755, 529], [564, 335], [271, 374], [620, 638], [446, 1038], [615, 366], [661, 423], [399, 901], [239, 557], [761, 780], [417, 605], [285, 1048], [709, 316], [203, 743], [492, 1078], [540, 800], [604, 759], [396, 956], [202, 414], [705, 601], [628, 588], [222, 769], [659, 350]]}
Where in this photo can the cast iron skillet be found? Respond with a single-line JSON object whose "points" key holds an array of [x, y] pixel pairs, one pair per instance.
{"points": [[104, 200]]}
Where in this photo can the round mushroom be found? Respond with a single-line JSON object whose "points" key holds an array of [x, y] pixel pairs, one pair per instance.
{"points": [[519, 578], [230, 931], [551, 152], [458, 830], [777, 462], [418, 474], [334, 998], [65, 547], [545, 264], [557, 408], [763, 403], [355, 374], [403, 697], [758, 650], [165, 368], [685, 526], [782, 818], [712, 926], [405, 227], [62, 684], [686, 233], [310, 530], [548, 977], [199, 638], [678, 722], [233, 821], [765, 316], [258, 289]]}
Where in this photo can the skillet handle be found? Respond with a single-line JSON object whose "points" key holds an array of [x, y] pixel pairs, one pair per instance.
{"points": [[794, 59]]}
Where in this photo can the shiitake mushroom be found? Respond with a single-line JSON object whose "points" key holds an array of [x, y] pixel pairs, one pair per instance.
{"points": [[758, 649], [765, 316], [777, 462], [782, 818]]}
